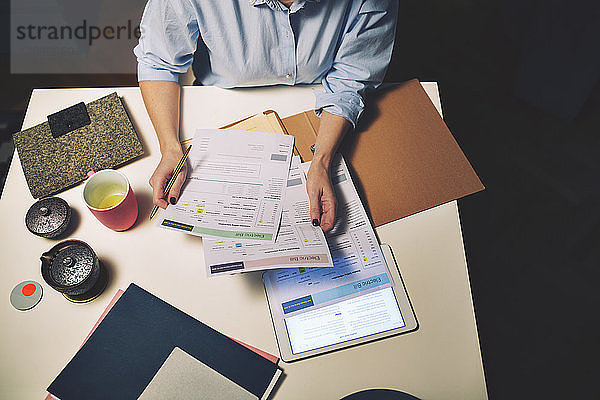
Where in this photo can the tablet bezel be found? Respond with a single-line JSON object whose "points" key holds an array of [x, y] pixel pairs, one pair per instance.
{"points": [[400, 293]]}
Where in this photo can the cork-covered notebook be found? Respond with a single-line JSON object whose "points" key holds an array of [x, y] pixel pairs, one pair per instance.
{"points": [[59, 153]]}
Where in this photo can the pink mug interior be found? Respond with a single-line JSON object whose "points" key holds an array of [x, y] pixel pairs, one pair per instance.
{"points": [[119, 216]]}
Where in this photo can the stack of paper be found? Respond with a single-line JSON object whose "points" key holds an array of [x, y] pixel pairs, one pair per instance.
{"points": [[359, 265], [298, 243], [235, 187], [247, 199]]}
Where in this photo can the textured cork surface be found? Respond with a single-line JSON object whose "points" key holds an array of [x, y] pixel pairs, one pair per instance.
{"points": [[54, 164]]}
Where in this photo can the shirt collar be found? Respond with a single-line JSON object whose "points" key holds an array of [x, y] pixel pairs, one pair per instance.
{"points": [[276, 5]]}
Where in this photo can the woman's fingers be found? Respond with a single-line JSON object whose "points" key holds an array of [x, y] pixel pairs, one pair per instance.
{"points": [[328, 207], [173, 194], [322, 198], [160, 179]]}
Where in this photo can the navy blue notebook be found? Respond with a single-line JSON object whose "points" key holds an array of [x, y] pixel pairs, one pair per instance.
{"points": [[133, 341]]}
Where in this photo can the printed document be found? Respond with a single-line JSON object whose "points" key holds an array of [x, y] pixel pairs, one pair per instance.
{"points": [[357, 258], [298, 243], [235, 187], [324, 306]]}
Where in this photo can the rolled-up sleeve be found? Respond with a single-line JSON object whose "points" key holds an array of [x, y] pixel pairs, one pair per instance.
{"points": [[361, 60], [169, 33]]}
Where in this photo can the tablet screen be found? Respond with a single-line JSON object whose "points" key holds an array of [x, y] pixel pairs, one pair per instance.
{"points": [[350, 319]]}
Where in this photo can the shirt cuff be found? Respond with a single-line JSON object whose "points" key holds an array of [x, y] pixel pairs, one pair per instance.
{"points": [[347, 105], [148, 73]]}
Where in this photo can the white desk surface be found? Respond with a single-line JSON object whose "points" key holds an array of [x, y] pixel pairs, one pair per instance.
{"points": [[441, 360]]}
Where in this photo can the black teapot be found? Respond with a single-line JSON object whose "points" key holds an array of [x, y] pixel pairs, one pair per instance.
{"points": [[73, 269]]}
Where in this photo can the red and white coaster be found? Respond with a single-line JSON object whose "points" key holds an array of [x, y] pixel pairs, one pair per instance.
{"points": [[26, 295]]}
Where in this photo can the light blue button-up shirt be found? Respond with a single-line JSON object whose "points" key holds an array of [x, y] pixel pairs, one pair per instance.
{"points": [[344, 44]]}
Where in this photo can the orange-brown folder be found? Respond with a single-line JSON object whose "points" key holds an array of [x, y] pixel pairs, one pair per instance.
{"points": [[402, 155], [266, 121]]}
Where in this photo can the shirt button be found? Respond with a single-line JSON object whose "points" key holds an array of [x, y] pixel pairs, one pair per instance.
{"points": [[288, 76]]}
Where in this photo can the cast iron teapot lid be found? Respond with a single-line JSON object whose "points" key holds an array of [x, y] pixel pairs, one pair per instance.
{"points": [[68, 264], [48, 217]]}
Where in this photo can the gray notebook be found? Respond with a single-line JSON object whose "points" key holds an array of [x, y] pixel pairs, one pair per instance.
{"points": [[58, 153], [183, 377]]}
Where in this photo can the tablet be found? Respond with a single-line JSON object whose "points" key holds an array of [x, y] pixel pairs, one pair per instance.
{"points": [[350, 318]]}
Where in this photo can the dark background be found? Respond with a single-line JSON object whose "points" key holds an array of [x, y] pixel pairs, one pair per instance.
{"points": [[520, 88]]}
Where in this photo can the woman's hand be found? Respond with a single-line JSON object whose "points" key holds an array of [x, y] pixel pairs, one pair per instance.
{"points": [[161, 99], [318, 183], [162, 174], [321, 195]]}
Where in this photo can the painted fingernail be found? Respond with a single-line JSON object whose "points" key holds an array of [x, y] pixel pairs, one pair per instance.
{"points": [[172, 200], [315, 222]]}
